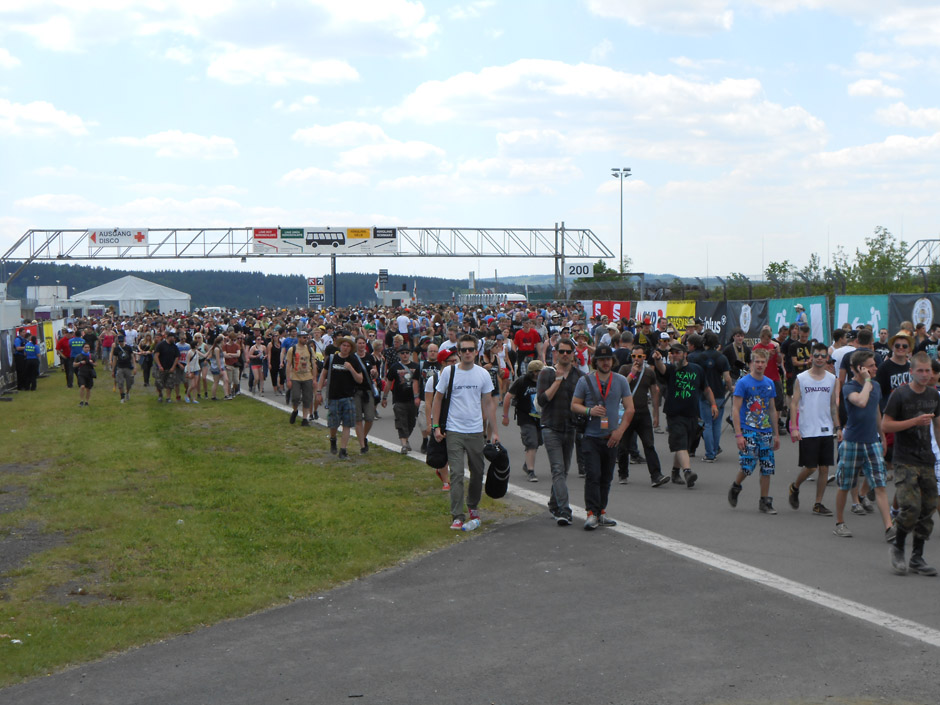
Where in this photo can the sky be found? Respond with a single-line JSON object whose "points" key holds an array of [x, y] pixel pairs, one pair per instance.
{"points": [[755, 130]]}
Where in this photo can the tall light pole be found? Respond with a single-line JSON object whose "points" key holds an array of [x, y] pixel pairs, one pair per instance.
{"points": [[620, 174]]}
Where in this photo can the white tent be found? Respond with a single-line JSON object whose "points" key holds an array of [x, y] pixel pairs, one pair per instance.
{"points": [[133, 294]]}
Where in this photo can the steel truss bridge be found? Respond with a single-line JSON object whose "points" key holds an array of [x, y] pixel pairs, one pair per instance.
{"points": [[72, 245]]}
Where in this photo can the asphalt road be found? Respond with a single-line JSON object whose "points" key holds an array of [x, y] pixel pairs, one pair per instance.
{"points": [[530, 612]]}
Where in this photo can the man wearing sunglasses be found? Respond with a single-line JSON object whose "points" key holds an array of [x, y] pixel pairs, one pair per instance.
{"points": [[470, 400], [641, 378], [816, 418], [893, 373]]}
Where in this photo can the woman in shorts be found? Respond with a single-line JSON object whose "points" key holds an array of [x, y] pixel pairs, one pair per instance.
{"points": [[84, 367]]}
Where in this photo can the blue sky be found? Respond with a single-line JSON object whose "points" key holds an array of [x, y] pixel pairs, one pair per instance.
{"points": [[756, 130]]}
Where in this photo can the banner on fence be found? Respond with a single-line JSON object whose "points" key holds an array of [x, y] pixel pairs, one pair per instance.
{"points": [[859, 310], [680, 313], [917, 308], [654, 310], [749, 316], [714, 315], [782, 312], [614, 310]]}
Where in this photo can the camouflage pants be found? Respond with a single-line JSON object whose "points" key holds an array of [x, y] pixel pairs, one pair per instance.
{"points": [[917, 498]]}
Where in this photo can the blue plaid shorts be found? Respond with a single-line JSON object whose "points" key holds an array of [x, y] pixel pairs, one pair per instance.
{"points": [[867, 458]]}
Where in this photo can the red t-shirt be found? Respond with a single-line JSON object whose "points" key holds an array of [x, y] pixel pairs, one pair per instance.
{"points": [[525, 342], [63, 347], [773, 360]]}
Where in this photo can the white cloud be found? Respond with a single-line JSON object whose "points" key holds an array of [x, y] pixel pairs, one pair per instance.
{"points": [[306, 103], [325, 176], [684, 16], [893, 150], [56, 33], [899, 115], [470, 11], [184, 145], [341, 134], [182, 55], [600, 51], [38, 118], [56, 203], [629, 186], [275, 66], [56, 171], [912, 26], [874, 88], [7, 60], [535, 170], [371, 155]]}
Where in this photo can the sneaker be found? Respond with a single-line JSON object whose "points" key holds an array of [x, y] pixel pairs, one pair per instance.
{"points": [[474, 514], [304, 422], [457, 525], [891, 533], [842, 531], [637, 458], [471, 525], [195, 401], [624, 479], [293, 416], [316, 415], [657, 429], [605, 520], [364, 449], [424, 445], [562, 520], [659, 480], [894, 512], [857, 509], [733, 494], [333, 446], [404, 450], [343, 455], [820, 510], [866, 504], [591, 523], [766, 505], [81, 404], [530, 476], [794, 497], [122, 400], [676, 477], [690, 478], [581, 473], [159, 400], [831, 479], [407, 447], [871, 495], [445, 487], [897, 559], [706, 459]]}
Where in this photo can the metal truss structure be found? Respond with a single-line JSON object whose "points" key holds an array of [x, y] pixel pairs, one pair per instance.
{"points": [[73, 245], [923, 253]]}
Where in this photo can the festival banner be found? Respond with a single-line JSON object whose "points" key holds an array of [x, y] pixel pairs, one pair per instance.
{"points": [[654, 310], [861, 310], [916, 308], [680, 313], [48, 342], [614, 310], [714, 315], [749, 316], [782, 312]]}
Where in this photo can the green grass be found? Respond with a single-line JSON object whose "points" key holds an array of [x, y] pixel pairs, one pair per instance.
{"points": [[161, 518]]}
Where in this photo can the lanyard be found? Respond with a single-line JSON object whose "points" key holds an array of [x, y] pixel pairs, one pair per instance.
{"points": [[602, 391], [638, 378]]}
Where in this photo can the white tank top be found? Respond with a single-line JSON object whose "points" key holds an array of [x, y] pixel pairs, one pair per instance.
{"points": [[815, 404]]}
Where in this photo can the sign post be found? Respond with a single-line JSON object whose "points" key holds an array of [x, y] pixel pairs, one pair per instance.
{"points": [[316, 292]]}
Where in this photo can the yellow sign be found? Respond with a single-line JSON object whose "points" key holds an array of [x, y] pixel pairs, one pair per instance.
{"points": [[358, 233], [680, 313]]}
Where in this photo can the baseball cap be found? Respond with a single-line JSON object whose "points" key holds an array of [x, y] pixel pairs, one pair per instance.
{"points": [[602, 351]]}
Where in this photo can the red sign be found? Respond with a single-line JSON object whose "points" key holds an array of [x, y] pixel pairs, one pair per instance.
{"points": [[265, 233], [614, 310]]}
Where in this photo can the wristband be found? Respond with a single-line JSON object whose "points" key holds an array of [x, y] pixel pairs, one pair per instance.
{"points": [[435, 425], [739, 435]]}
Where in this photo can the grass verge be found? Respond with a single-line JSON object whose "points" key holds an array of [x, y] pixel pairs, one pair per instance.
{"points": [[145, 520]]}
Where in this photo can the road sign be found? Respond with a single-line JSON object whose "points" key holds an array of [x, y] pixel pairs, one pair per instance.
{"points": [[117, 237], [316, 291]]}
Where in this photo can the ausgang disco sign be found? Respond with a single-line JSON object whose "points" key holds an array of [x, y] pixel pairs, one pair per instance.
{"points": [[117, 237]]}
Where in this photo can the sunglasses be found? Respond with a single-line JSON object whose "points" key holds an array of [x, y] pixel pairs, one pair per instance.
{"points": [[820, 355], [468, 350], [901, 346], [638, 357]]}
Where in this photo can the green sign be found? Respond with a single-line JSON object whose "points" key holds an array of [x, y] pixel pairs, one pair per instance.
{"points": [[783, 312], [292, 233], [859, 310]]}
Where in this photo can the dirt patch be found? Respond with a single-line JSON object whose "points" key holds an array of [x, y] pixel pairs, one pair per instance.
{"points": [[90, 590], [12, 498], [18, 544], [24, 468]]}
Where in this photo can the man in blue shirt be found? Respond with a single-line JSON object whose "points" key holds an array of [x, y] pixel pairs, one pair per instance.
{"points": [[31, 353]]}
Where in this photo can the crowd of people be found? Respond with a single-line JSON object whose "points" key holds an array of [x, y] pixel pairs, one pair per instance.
{"points": [[864, 410]]}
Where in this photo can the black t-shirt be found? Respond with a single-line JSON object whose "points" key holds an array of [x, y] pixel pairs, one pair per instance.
{"points": [[342, 384], [124, 356], [523, 391], [684, 389], [890, 376], [912, 445], [402, 378], [91, 339], [715, 365], [370, 364], [803, 352], [167, 353]]}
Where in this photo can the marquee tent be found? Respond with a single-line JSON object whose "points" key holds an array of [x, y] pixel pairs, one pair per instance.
{"points": [[134, 294]]}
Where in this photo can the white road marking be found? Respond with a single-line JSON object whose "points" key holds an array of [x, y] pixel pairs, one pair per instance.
{"points": [[866, 613]]}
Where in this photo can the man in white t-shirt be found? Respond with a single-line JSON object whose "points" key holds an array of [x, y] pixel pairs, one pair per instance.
{"points": [[402, 321], [815, 398], [470, 400]]}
